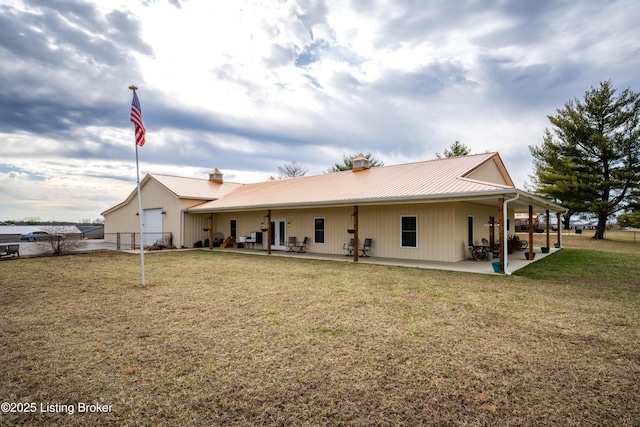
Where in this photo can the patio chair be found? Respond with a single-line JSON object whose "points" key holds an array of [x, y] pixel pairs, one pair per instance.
{"points": [[292, 241], [348, 247], [519, 243], [301, 246], [481, 253], [366, 247]]}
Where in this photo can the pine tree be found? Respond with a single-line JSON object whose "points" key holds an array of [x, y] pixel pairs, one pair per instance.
{"points": [[591, 162]]}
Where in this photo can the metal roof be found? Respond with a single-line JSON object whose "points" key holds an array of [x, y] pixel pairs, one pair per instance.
{"points": [[195, 188], [433, 180], [184, 188]]}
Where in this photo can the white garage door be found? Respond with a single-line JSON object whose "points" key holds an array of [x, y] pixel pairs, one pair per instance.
{"points": [[152, 226]]}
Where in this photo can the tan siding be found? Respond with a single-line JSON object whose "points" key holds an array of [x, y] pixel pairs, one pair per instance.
{"points": [[194, 226], [489, 172], [442, 228], [154, 195], [122, 220]]}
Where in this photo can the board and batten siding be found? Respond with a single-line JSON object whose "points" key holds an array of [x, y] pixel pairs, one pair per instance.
{"points": [[442, 228]]}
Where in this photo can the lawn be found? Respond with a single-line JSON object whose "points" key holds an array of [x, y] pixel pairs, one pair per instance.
{"points": [[233, 339]]}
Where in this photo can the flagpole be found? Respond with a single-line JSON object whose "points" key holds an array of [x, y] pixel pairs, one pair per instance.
{"points": [[134, 88]]}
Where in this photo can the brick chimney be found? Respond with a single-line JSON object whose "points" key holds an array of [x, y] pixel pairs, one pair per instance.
{"points": [[215, 176]]}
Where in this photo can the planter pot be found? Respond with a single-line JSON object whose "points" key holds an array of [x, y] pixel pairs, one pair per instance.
{"points": [[496, 266], [526, 255], [545, 249], [351, 230], [556, 245]]}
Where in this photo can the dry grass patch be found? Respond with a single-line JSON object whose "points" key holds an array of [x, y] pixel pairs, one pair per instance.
{"points": [[231, 339]]}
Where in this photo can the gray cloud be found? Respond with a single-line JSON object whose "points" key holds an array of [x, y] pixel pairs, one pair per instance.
{"points": [[56, 55], [485, 73]]}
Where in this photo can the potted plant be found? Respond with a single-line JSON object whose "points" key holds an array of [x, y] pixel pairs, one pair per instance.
{"points": [[545, 249], [526, 255]]}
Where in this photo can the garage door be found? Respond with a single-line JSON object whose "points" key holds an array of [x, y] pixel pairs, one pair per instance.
{"points": [[152, 226]]}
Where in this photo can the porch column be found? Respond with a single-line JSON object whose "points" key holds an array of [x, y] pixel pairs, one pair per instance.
{"points": [[492, 236], [269, 232], [503, 245], [530, 232], [558, 216], [211, 230], [355, 235], [548, 227]]}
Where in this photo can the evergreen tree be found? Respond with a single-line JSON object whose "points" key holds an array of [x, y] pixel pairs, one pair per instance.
{"points": [[347, 163], [456, 149], [590, 163]]}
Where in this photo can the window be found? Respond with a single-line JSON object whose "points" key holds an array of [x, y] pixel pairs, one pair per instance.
{"points": [[318, 230], [409, 231], [232, 228], [470, 231]]}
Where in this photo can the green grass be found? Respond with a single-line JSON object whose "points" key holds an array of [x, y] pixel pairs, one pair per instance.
{"points": [[592, 268], [232, 339]]}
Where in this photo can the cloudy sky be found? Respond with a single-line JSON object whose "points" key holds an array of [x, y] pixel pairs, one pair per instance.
{"points": [[247, 86]]}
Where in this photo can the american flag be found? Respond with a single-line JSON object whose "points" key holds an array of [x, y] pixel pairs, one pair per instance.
{"points": [[136, 118]]}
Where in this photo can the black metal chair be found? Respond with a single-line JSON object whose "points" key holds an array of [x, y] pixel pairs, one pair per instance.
{"points": [[348, 247], [301, 246], [366, 247], [292, 242]]}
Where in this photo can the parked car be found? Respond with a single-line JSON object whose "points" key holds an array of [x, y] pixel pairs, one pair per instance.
{"points": [[40, 235]]}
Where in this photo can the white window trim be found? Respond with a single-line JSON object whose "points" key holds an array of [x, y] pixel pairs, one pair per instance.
{"points": [[401, 231]]}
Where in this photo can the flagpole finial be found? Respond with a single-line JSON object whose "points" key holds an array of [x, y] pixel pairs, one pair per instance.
{"points": [[133, 87]]}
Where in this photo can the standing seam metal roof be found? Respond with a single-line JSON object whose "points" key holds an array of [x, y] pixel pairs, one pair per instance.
{"points": [[411, 180], [195, 188]]}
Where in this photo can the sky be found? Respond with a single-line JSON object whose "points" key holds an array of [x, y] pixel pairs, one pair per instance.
{"points": [[246, 86]]}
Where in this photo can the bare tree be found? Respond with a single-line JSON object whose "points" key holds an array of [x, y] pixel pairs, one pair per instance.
{"points": [[60, 241], [292, 170]]}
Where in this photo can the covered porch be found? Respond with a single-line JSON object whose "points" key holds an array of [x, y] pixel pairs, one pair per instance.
{"points": [[516, 260]]}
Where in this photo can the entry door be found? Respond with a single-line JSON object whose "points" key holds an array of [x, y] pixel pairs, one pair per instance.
{"points": [[278, 234]]}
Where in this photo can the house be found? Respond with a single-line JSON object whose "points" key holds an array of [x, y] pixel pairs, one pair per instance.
{"points": [[431, 210]]}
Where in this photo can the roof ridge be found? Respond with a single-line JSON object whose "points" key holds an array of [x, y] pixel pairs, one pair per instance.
{"points": [[155, 174], [177, 176]]}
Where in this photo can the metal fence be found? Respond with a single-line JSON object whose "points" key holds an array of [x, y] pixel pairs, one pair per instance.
{"points": [[129, 240]]}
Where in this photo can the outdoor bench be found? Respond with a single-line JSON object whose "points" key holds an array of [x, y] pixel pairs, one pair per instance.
{"points": [[9, 250]]}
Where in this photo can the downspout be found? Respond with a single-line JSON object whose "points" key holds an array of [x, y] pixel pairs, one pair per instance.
{"points": [[505, 239], [182, 228]]}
